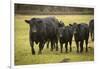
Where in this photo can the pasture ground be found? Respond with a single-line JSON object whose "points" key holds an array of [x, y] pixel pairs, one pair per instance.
{"points": [[22, 53]]}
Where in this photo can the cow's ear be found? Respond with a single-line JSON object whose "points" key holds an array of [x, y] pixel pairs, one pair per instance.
{"points": [[70, 24], [27, 21]]}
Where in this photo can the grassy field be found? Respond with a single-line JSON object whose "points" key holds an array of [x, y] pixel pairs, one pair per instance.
{"points": [[23, 54]]}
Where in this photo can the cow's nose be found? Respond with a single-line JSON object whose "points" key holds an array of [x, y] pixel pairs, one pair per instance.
{"points": [[33, 30], [74, 32], [60, 35]]}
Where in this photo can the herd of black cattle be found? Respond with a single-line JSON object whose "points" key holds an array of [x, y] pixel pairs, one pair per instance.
{"points": [[51, 30]]}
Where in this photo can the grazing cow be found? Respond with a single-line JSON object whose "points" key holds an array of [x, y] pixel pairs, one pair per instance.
{"points": [[81, 33], [91, 29], [66, 34], [42, 29]]}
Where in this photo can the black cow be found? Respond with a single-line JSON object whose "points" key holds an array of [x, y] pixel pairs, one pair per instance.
{"points": [[81, 33], [66, 34], [91, 29], [53, 35], [42, 29], [60, 24]]}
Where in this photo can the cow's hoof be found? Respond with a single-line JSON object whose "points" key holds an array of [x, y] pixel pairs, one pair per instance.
{"points": [[77, 51], [51, 49], [56, 49], [33, 53], [81, 51], [39, 53], [66, 52], [86, 51], [92, 39]]}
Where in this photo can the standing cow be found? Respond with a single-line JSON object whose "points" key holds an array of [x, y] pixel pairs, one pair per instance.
{"points": [[81, 34], [42, 29], [60, 25], [91, 29], [66, 34]]}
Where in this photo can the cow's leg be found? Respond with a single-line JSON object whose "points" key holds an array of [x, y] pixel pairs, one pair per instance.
{"points": [[66, 46], [70, 42], [41, 46], [57, 45], [51, 45], [91, 35], [32, 47], [81, 46], [77, 44], [48, 44], [61, 46], [86, 42], [54, 44]]}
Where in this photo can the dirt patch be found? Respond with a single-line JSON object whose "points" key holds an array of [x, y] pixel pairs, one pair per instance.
{"points": [[65, 60]]}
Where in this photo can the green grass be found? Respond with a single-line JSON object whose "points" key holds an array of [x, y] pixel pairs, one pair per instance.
{"points": [[23, 54]]}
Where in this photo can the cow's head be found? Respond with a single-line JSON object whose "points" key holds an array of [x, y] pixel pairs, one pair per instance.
{"points": [[61, 30], [75, 28], [61, 26], [34, 24]]}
